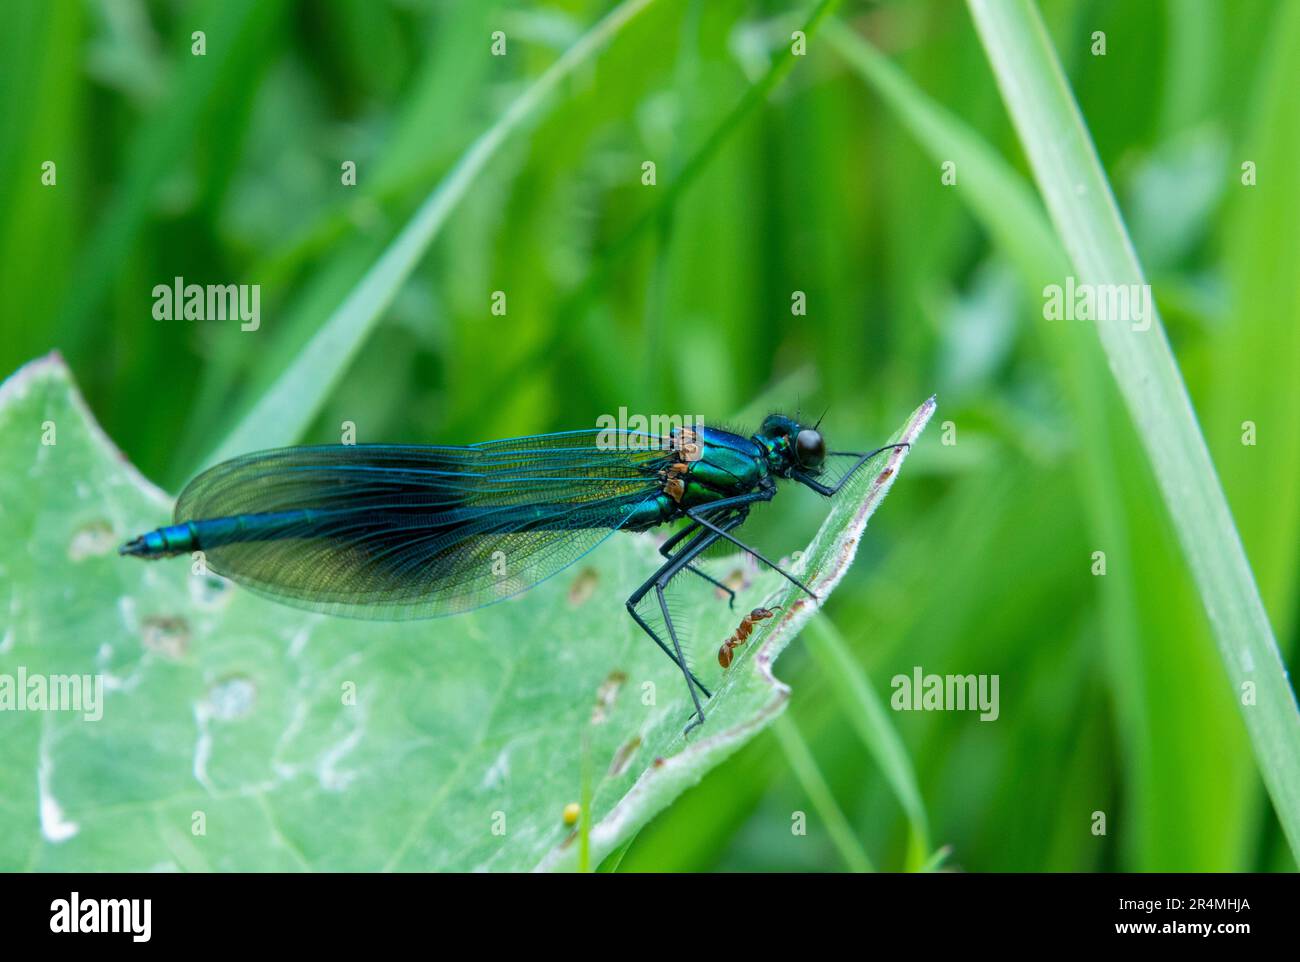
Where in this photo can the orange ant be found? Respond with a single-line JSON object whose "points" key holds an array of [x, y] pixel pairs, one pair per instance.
{"points": [[743, 631]]}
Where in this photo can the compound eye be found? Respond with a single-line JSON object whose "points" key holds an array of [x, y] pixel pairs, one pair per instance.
{"points": [[809, 448]]}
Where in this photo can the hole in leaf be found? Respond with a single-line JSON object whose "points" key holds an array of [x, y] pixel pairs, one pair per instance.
{"points": [[584, 586], [91, 540], [232, 697], [167, 635], [606, 695], [623, 757], [209, 590]]}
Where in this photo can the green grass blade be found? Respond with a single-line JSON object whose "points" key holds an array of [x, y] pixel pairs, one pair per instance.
{"points": [[1080, 203], [584, 813], [282, 414], [782, 63], [935, 862], [862, 706], [998, 197], [1166, 799], [236, 32], [819, 793], [41, 101], [1257, 355], [614, 256]]}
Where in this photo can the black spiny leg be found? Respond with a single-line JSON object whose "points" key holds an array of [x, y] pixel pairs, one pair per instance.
{"points": [[700, 542], [862, 459], [635, 598], [741, 503], [672, 542], [681, 660], [731, 595]]}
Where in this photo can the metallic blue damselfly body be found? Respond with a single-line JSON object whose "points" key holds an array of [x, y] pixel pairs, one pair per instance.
{"points": [[385, 531]]}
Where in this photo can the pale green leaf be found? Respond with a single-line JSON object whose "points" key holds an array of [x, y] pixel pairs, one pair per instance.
{"points": [[227, 713]]}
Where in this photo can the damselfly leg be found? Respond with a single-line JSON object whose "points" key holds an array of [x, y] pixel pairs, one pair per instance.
{"points": [[830, 490], [742, 502], [699, 542], [699, 536], [666, 550]]}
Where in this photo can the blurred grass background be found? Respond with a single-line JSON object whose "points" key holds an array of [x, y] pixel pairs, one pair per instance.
{"points": [[226, 169]]}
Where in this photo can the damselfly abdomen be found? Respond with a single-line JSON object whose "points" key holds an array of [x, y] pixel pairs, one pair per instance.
{"points": [[419, 531]]}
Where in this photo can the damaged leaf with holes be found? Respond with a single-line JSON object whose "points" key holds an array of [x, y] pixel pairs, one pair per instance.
{"points": [[239, 735]]}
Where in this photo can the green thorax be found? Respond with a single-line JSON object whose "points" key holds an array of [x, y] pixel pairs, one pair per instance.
{"points": [[727, 465]]}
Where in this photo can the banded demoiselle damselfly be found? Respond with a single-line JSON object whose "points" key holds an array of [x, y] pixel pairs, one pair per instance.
{"points": [[394, 532]]}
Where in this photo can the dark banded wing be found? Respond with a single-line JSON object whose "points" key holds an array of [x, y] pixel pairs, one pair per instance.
{"points": [[418, 531]]}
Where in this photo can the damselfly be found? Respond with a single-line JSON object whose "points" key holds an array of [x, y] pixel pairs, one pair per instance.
{"points": [[385, 531]]}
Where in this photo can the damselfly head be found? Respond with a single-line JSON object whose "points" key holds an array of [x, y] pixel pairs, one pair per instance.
{"points": [[791, 447]]}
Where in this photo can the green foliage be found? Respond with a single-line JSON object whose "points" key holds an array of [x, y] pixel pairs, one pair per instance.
{"points": [[296, 741], [776, 173], [1083, 209]]}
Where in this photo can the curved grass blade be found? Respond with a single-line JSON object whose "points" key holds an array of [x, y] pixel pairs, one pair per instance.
{"points": [[819, 793], [238, 31], [577, 302], [1087, 220], [282, 414], [867, 715], [1168, 798]]}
